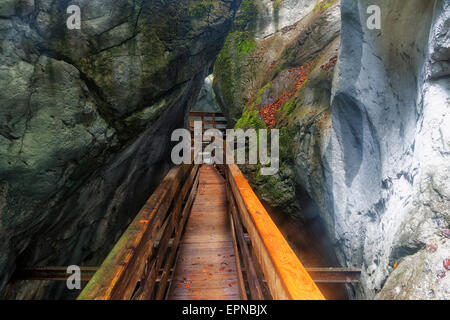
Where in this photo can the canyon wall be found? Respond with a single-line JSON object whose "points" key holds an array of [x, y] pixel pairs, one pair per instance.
{"points": [[363, 117], [387, 164], [85, 121]]}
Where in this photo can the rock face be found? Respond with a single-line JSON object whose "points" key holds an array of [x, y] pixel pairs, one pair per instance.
{"points": [[206, 100], [262, 33], [367, 139], [387, 182], [274, 15], [85, 120], [287, 79]]}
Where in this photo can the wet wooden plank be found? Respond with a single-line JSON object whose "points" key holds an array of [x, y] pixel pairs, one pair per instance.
{"points": [[199, 294], [206, 266]]}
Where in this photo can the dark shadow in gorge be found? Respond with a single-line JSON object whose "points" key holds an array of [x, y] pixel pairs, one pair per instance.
{"points": [[309, 240]]}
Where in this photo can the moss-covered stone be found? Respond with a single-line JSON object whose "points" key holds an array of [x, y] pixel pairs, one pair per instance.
{"points": [[301, 97], [232, 68], [246, 16], [201, 8], [250, 120]]}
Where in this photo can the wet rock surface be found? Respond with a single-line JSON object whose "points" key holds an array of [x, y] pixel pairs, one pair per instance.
{"points": [[85, 120]]}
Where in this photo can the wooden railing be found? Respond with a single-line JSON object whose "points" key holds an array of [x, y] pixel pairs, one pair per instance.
{"points": [[147, 249], [209, 120], [267, 257], [146, 252], [140, 264]]}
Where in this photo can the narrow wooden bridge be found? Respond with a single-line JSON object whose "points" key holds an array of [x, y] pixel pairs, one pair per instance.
{"points": [[203, 234]]}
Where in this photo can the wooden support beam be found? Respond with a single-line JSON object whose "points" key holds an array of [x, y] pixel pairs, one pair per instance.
{"points": [[205, 114], [51, 273], [335, 275], [319, 275]]}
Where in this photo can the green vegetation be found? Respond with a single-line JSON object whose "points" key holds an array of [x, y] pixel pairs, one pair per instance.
{"points": [[250, 116], [246, 16], [288, 108], [246, 46], [244, 42], [277, 4], [324, 4], [287, 144], [250, 120], [201, 8], [233, 66], [237, 46], [258, 98]]}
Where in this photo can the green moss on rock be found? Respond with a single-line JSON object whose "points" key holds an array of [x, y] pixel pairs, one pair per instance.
{"points": [[246, 17], [233, 65], [201, 8], [250, 120]]}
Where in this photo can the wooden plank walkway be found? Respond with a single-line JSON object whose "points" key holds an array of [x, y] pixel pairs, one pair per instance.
{"points": [[206, 267]]}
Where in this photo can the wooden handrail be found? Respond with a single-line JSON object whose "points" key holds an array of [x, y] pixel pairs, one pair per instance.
{"points": [[135, 258], [205, 114], [285, 275], [208, 122]]}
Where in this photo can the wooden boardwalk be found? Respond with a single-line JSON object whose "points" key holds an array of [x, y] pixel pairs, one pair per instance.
{"points": [[206, 267], [202, 236]]}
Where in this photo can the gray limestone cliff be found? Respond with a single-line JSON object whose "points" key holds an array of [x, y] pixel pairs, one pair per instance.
{"points": [[86, 117], [387, 187]]}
